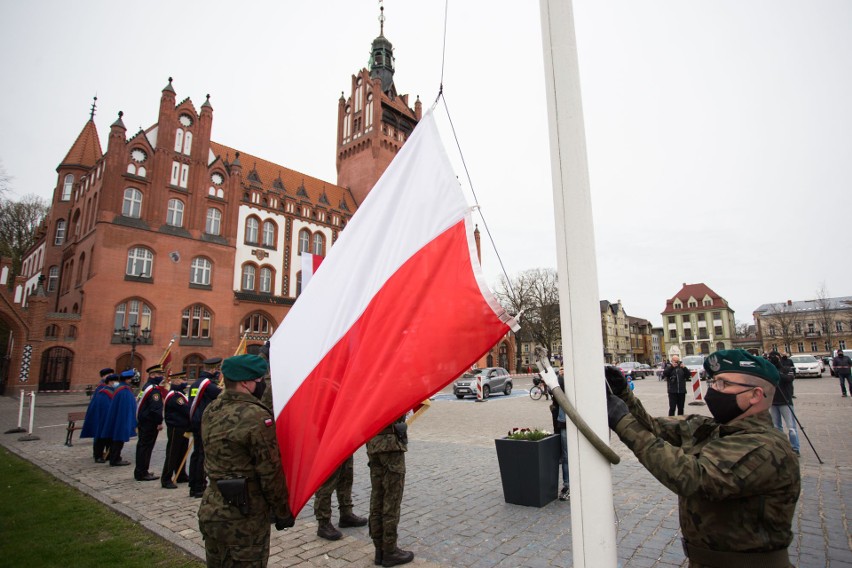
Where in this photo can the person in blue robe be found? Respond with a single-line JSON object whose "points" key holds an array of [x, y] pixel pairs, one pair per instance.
{"points": [[96, 414], [120, 423]]}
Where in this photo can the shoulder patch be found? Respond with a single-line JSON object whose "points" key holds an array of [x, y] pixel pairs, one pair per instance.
{"points": [[180, 400], [268, 422], [155, 396]]}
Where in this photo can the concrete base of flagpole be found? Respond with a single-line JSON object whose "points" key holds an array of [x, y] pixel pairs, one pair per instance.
{"points": [[17, 430], [28, 438], [696, 403]]}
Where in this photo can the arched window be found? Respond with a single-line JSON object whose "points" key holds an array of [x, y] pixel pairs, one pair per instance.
{"points": [[59, 236], [187, 143], [174, 215], [265, 280], [72, 332], [200, 271], [214, 222], [52, 331], [258, 323], [304, 241], [252, 226], [140, 262], [80, 269], [193, 364], [248, 277], [52, 278], [268, 234], [196, 322], [67, 185], [720, 346], [318, 244], [131, 169], [132, 311], [178, 140], [132, 206], [690, 350]]}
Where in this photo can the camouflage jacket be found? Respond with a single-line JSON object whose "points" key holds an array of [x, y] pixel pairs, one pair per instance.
{"points": [[737, 483], [239, 441], [387, 441]]}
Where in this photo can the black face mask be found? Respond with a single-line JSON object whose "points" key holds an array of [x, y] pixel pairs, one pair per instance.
{"points": [[259, 389], [723, 406]]}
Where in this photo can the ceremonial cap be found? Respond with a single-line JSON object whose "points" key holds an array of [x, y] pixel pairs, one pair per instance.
{"points": [[244, 367], [107, 371], [212, 361], [180, 376], [112, 377], [128, 374], [741, 361], [154, 369]]}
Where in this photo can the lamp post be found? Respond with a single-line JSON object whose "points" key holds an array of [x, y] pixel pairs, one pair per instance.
{"points": [[134, 336]]}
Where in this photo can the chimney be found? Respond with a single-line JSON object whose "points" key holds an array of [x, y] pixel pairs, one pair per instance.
{"points": [[789, 302]]}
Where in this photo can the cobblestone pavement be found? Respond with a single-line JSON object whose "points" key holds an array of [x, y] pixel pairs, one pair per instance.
{"points": [[453, 511]]}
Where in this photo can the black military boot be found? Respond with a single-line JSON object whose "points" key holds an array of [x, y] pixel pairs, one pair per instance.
{"points": [[397, 557], [350, 519], [327, 531], [378, 559]]}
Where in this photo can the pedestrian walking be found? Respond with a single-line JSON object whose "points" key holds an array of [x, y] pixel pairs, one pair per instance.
{"points": [[247, 484], [736, 476], [340, 482], [176, 417], [677, 375], [843, 369], [149, 422], [386, 455]]}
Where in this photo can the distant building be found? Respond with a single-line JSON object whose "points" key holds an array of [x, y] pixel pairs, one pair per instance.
{"points": [[616, 333], [816, 327], [698, 321]]}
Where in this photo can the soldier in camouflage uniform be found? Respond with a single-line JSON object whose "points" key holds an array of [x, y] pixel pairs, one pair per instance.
{"points": [[386, 453], [736, 476], [243, 463], [341, 481]]}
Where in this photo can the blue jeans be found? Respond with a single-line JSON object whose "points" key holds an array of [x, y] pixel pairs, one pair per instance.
{"points": [[848, 378], [786, 412], [563, 459]]}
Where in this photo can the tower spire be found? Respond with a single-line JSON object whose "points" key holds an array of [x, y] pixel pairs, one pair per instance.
{"points": [[381, 18], [94, 108]]}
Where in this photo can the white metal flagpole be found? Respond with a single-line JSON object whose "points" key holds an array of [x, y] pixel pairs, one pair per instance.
{"points": [[592, 515]]}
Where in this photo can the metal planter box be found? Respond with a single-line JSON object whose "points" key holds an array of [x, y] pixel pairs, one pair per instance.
{"points": [[529, 470]]}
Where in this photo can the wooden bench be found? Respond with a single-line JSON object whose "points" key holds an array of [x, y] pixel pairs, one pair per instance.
{"points": [[73, 419]]}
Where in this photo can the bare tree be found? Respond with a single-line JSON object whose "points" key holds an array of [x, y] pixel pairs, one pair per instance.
{"points": [[784, 319], [19, 223], [743, 329], [535, 295], [5, 181], [825, 315]]}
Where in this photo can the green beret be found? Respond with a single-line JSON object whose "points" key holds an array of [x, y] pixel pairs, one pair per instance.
{"points": [[244, 367], [741, 361]]}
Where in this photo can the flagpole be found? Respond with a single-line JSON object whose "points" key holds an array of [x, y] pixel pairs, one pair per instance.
{"points": [[592, 515]]}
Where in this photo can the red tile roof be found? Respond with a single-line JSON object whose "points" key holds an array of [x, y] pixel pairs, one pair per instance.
{"points": [[268, 172], [86, 150], [697, 291]]}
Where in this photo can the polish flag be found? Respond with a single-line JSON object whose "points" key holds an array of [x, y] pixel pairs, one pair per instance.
{"points": [[310, 263], [399, 311]]}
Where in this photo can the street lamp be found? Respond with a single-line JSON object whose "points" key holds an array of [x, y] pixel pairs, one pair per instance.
{"points": [[134, 337]]}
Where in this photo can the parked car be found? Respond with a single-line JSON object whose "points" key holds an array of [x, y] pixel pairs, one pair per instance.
{"points": [[806, 366], [826, 364], [695, 364], [635, 370], [494, 379]]}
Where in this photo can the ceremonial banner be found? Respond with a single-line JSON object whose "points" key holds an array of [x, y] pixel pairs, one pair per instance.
{"points": [[310, 264], [399, 310]]}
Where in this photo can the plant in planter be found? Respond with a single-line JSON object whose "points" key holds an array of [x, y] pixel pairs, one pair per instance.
{"points": [[529, 465]]}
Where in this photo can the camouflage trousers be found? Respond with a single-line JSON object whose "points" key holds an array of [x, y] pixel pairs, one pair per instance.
{"points": [[341, 480], [237, 544], [387, 478]]}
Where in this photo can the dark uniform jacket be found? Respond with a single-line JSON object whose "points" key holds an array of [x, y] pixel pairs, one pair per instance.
{"points": [[737, 483], [149, 412], [677, 377], [176, 410], [784, 390], [201, 393]]}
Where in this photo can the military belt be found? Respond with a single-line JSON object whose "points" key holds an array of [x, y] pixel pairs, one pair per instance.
{"points": [[387, 430], [720, 559]]}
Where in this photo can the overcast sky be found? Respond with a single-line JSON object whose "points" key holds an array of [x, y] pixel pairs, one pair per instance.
{"points": [[719, 133]]}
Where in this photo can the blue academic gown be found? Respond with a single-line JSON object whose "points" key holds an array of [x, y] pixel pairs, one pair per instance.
{"points": [[120, 423], [97, 412]]}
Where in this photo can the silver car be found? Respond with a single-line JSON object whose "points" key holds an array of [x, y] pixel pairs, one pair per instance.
{"points": [[494, 379], [806, 366]]}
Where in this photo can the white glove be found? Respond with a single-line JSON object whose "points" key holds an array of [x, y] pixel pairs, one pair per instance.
{"points": [[549, 377]]}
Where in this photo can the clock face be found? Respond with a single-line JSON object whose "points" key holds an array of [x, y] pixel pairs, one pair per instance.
{"points": [[186, 120], [217, 179], [138, 155]]}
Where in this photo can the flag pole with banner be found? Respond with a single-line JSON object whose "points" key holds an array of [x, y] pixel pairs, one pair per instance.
{"points": [[399, 310]]}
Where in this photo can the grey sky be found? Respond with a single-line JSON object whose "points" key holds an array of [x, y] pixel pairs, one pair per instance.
{"points": [[719, 133]]}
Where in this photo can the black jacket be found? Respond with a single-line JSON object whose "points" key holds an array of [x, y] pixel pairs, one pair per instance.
{"points": [[677, 377], [784, 390]]}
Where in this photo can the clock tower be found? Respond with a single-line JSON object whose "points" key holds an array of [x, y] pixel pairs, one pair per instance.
{"points": [[373, 123]]}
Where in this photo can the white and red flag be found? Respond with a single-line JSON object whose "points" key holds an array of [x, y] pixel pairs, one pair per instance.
{"points": [[399, 310], [310, 264]]}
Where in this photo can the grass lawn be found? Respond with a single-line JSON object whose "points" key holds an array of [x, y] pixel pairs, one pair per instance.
{"points": [[45, 523]]}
